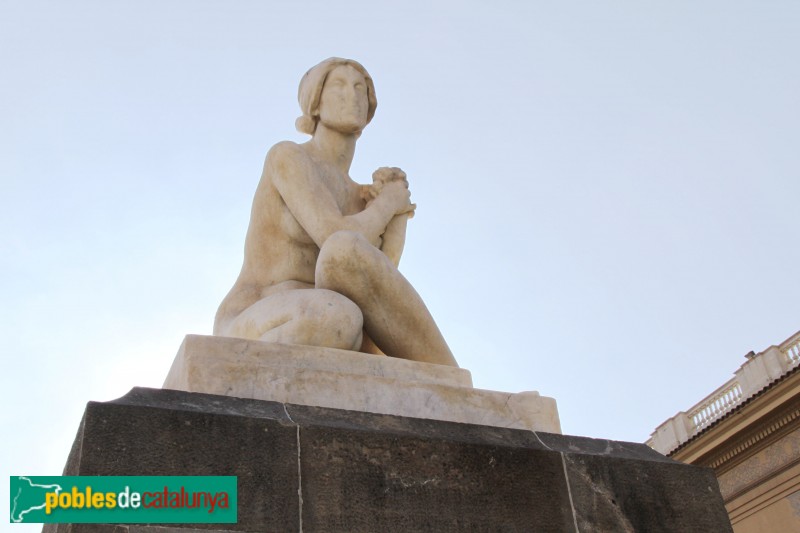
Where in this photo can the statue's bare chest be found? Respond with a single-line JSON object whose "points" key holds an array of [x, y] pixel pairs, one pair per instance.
{"points": [[343, 190]]}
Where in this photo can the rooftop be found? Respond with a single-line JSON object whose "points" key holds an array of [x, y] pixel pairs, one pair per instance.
{"points": [[757, 374]]}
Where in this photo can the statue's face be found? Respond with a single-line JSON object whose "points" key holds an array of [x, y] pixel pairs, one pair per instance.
{"points": [[344, 104]]}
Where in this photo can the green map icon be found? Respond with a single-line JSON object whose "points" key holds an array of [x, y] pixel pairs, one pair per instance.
{"points": [[123, 499], [27, 497]]}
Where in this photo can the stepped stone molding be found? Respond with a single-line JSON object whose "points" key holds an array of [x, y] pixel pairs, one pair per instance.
{"points": [[756, 437], [341, 379]]}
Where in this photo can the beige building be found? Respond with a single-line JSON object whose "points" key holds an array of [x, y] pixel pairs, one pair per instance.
{"points": [[748, 431]]}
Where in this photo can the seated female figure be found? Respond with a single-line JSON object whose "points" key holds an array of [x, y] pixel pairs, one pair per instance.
{"points": [[313, 271]]}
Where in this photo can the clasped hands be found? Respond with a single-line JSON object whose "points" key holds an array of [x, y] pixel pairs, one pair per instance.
{"points": [[383, 177]]}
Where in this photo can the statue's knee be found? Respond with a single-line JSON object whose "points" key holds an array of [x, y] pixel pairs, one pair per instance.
{"points": [[343, 242], [341, 255], [334, 317]]}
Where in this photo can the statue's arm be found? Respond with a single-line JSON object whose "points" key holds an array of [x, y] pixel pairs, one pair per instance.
{"points": [[309, 200], [394, 239]]}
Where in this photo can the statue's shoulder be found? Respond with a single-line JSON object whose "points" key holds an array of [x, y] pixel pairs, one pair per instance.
{"points": [[285, 162], [286, 152]]}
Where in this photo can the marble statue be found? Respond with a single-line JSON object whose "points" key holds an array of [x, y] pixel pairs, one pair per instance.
{"points": [[321, 252]]}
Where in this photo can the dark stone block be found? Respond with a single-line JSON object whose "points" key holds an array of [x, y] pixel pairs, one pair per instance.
{"points": [[373, 482], [369, 472], [620, 496], [612, 448], [160, 433]]}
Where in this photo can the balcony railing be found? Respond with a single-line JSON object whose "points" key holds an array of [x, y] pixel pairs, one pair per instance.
{"points": [[758, 372], [792, 350], [716, 405]]}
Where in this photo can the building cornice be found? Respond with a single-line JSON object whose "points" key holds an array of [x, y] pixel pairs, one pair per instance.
{"points": [[751, 426]]}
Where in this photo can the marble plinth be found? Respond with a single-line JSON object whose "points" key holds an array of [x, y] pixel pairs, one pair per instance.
{"points": [[353, 381]]}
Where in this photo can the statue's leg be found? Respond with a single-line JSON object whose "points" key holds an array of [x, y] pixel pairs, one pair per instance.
{"points": [[395, 316], [312, 317]]}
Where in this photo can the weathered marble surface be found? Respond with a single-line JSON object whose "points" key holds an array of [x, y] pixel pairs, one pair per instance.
{"points": [[321, 253], [349, 380]]}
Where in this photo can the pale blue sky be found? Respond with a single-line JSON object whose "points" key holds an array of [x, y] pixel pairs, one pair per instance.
{"points": [[608, 191]]}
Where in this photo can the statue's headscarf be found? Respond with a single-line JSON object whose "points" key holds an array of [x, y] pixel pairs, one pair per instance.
{"points": [[311, 89]]}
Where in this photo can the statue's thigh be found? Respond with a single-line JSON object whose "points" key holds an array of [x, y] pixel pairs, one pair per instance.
{"points": [[312, 306]]}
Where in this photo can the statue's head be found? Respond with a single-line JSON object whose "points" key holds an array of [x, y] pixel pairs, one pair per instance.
{"points": [[311, 87]]}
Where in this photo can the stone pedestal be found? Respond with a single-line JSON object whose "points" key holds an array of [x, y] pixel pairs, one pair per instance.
{"points": [[314, 469], [340, 379]]}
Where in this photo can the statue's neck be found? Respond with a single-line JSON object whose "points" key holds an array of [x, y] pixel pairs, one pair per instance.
{"points": [[334, 146]]}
